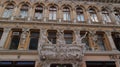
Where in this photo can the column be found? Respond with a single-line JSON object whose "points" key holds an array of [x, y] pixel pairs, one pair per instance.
{"points": [[92, 40], [110, 39], [15, 14], [30, 14], [23, 38], [117, 63], [45, 14], [4, 37], [116, 21], [100, 16], [74, 16], [112, 17], [1, 8], [87, 15], [60, 15]]}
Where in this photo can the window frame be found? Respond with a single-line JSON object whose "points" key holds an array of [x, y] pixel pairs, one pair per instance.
{"points": [[53, 13], [8, 10], [80, 14], [93, 15], [106, 16], [15, 36], [32, 36], [68, 38], [66, 14], [24, 11], [38, 10]]}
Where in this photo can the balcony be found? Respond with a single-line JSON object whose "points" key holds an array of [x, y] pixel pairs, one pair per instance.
{"points": [[61, 52]]}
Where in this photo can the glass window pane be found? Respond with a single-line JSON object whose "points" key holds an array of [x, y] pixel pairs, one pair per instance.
{"points": [[33, 43], [100, 41], [66, 14], [34, 40], [52, 37], [106, 16], [52, 13], [24, 11], [14, 42], [80, 15], [68, 38], [39, 12]]}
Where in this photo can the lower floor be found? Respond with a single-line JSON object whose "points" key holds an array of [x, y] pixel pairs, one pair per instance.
{"points": [[33, 64], [32, 59]]}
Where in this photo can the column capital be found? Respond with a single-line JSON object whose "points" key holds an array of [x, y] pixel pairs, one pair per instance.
{"points": [[25, 29], [92, 32], [7, 29], [108, 33]]}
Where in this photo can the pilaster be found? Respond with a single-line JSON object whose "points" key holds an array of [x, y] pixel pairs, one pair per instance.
{"points": [[1, 10], [30, 13], [23, 38], [112, 17], [60, 14], [46, 13], [4, 37], [110, 39]]}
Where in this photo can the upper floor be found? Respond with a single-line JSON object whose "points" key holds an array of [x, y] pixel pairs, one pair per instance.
{"points": [[63, 11]]}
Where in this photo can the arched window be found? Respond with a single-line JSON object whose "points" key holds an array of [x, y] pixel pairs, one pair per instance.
{"points": [[24, 11], [80, 14], [39, 12], [66, 14], [105, 15], [93, 15], [8, 11], [52, 13], [117, 15]]}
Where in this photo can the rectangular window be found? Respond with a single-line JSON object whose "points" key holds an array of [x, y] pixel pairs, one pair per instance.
{"points": [[23, 13], [52, 36], [34, 37], [116, 38], [52, 15], [93, 17], [15, 38], [100, 64], [80, 17], [100, 41], [1, 32], [17, 64], [68, 37], [66, 16], [39, 12], [7, 13]]}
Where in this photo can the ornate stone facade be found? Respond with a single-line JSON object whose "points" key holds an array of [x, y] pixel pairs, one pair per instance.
{"points": [[62, 32]]}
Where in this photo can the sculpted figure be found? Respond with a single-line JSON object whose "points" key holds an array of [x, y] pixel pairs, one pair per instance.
{"points": [[60, 37], [23, 37], [44, 38], [78, 38]]}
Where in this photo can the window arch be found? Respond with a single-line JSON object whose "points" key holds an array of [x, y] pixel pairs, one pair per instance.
{"points": [[105, 15], [93, 15], [117, 15], [80, 14], [8, 10], [24, 11], [66, 14], [52, 13], [39, 12]]}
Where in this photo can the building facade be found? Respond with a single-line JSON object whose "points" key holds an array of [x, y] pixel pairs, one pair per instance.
{"points": [[60, 33]]}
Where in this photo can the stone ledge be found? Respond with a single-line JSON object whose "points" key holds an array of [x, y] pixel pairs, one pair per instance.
{"points": [[102, 53], [14, 52]]}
